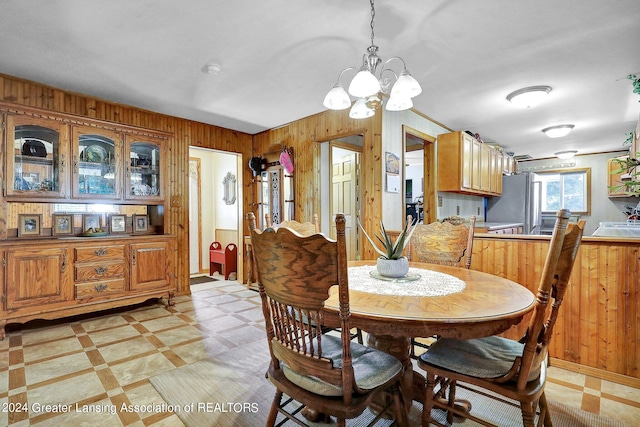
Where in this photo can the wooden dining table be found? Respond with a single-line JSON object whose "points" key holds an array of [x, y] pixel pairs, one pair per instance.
{"points": [[472, 305]]}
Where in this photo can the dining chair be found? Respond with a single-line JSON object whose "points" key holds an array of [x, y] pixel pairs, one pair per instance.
{"points": [[304, 228], [512, 369], [326, 374], [447, 242], [307, 229]]}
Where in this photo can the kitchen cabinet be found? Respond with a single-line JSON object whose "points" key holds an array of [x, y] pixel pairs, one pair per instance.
{"points": [[50, 279], [465, 165]]}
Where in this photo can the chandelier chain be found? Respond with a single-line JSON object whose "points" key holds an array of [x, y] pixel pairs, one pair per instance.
{"points": [[373, 15]]}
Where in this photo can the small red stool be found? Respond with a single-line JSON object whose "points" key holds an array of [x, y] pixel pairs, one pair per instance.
{"points": [[224, 261]]}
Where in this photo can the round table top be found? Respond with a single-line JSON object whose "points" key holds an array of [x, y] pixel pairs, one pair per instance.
{"points": [[487, 305]]}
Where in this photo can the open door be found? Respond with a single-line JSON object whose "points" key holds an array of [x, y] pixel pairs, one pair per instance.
{"points": [[419, 175], [345, 193]]}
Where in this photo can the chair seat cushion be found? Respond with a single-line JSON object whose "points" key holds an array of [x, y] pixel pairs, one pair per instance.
{"points": [[371, 368], [488, 357]]}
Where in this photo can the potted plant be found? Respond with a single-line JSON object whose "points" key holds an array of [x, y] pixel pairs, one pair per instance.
{"points": [[392, 263]]}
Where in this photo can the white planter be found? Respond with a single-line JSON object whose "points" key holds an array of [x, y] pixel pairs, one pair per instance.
{"points": [[393, 267]]}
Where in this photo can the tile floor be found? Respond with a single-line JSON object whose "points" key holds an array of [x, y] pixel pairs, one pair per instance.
{"points": [[94, 370]]}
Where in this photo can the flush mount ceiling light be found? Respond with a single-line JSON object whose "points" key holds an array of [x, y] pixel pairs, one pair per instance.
{"points": [[557, 131], [366, 85], [565, 155], [529, 96], [211, 68]]}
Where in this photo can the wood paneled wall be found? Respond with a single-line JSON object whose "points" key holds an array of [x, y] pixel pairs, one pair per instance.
{"points": [[599, 321], [304, 136], [185, 133]]}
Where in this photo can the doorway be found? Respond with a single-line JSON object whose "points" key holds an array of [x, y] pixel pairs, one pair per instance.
{"points": [[344, 193], [215, 209], [419, 175]]}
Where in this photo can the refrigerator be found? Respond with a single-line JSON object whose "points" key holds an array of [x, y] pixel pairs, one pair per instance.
{"points": [[521, 202]]}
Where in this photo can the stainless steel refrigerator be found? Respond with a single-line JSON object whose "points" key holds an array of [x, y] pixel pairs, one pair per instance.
{"points": [[520, 202]]}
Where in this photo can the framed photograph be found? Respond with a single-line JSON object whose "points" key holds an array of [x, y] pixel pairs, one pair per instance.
{"points": [[29, 225], [90, 221], [62, 225], [140, 223], [117, 224]]}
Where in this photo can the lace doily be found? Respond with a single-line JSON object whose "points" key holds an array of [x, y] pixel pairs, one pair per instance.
{"points": [[430, 284]]}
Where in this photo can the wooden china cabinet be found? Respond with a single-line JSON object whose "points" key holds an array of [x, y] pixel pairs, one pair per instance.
{"points": [[52, 160]]}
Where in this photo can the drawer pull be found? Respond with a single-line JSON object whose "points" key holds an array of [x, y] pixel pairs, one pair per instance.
{"points": [[100, 270], [101, 252], [101, 287]]}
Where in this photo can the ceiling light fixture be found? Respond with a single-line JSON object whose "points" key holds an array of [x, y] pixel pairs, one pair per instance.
{"points": [[566, 155], [529, 96], [557, 131], [366, 85]]}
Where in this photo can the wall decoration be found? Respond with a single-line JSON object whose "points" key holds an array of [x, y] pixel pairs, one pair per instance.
{"points": [[62, 225], [392, 169], [229, 183], [29, 224]]}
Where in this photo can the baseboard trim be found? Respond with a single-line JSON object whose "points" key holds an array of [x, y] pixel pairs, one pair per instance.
{"points": [[595, 372]]}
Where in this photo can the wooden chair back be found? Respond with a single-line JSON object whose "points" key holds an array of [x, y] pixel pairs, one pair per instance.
{"points": [[302, 228], [443, 243], [556, 272], [295, 274]]}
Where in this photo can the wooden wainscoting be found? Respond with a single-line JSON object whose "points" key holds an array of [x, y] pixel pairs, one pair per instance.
{"points": [[599, 323], [226, 236]]}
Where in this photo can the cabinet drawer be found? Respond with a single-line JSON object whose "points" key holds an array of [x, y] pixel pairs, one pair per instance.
{"points": [[98, 271], [98, 289], [96, 253]]}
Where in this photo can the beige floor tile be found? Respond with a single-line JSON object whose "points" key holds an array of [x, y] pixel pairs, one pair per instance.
{"points": [[144, 395], [125, 349], [105, 322], [45, 334], [112, 335], [51, 349], [199, 350], [141, 368], [566, 395], [178, 335], [150, 313], [68, 391], [623, 391], [566, 376], [621, 412], [163, 323], [55, 368]]}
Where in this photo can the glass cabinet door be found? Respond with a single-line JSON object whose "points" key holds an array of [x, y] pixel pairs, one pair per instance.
{"points": [[96, 163], [144, 178], [37, 158]]}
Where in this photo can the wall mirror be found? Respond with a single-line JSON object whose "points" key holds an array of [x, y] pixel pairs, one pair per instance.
{"points": [[229, 183]]}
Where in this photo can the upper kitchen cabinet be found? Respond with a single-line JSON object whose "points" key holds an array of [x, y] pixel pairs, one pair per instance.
{"points": [[465, 165], [144, 177], [97, 163], [37, 157]]}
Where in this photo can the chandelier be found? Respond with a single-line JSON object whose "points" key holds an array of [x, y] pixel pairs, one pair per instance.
{"points": [[367, 85]]}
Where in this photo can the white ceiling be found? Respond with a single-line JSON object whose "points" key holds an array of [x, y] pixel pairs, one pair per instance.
{"points": [[278, 59]]}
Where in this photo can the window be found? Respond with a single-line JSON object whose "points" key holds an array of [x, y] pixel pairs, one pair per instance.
{"points": [[566, 189]]}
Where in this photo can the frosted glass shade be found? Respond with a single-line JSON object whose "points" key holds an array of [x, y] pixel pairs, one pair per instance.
{"points": [[337, 99], [406, 86], [360, 110], [399, 104], [364, 84]]}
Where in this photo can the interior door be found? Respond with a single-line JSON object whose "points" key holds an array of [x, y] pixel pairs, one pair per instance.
{"points": [[344, 196]]}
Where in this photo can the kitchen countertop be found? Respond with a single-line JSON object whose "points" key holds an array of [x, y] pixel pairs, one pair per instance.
{"points": [[617, 229], [498, 225]]}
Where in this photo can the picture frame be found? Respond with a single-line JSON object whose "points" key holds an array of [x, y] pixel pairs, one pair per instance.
{"points": [[29, 225], [140, 224], [117, 224], [62, 225], [91, 221]]}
